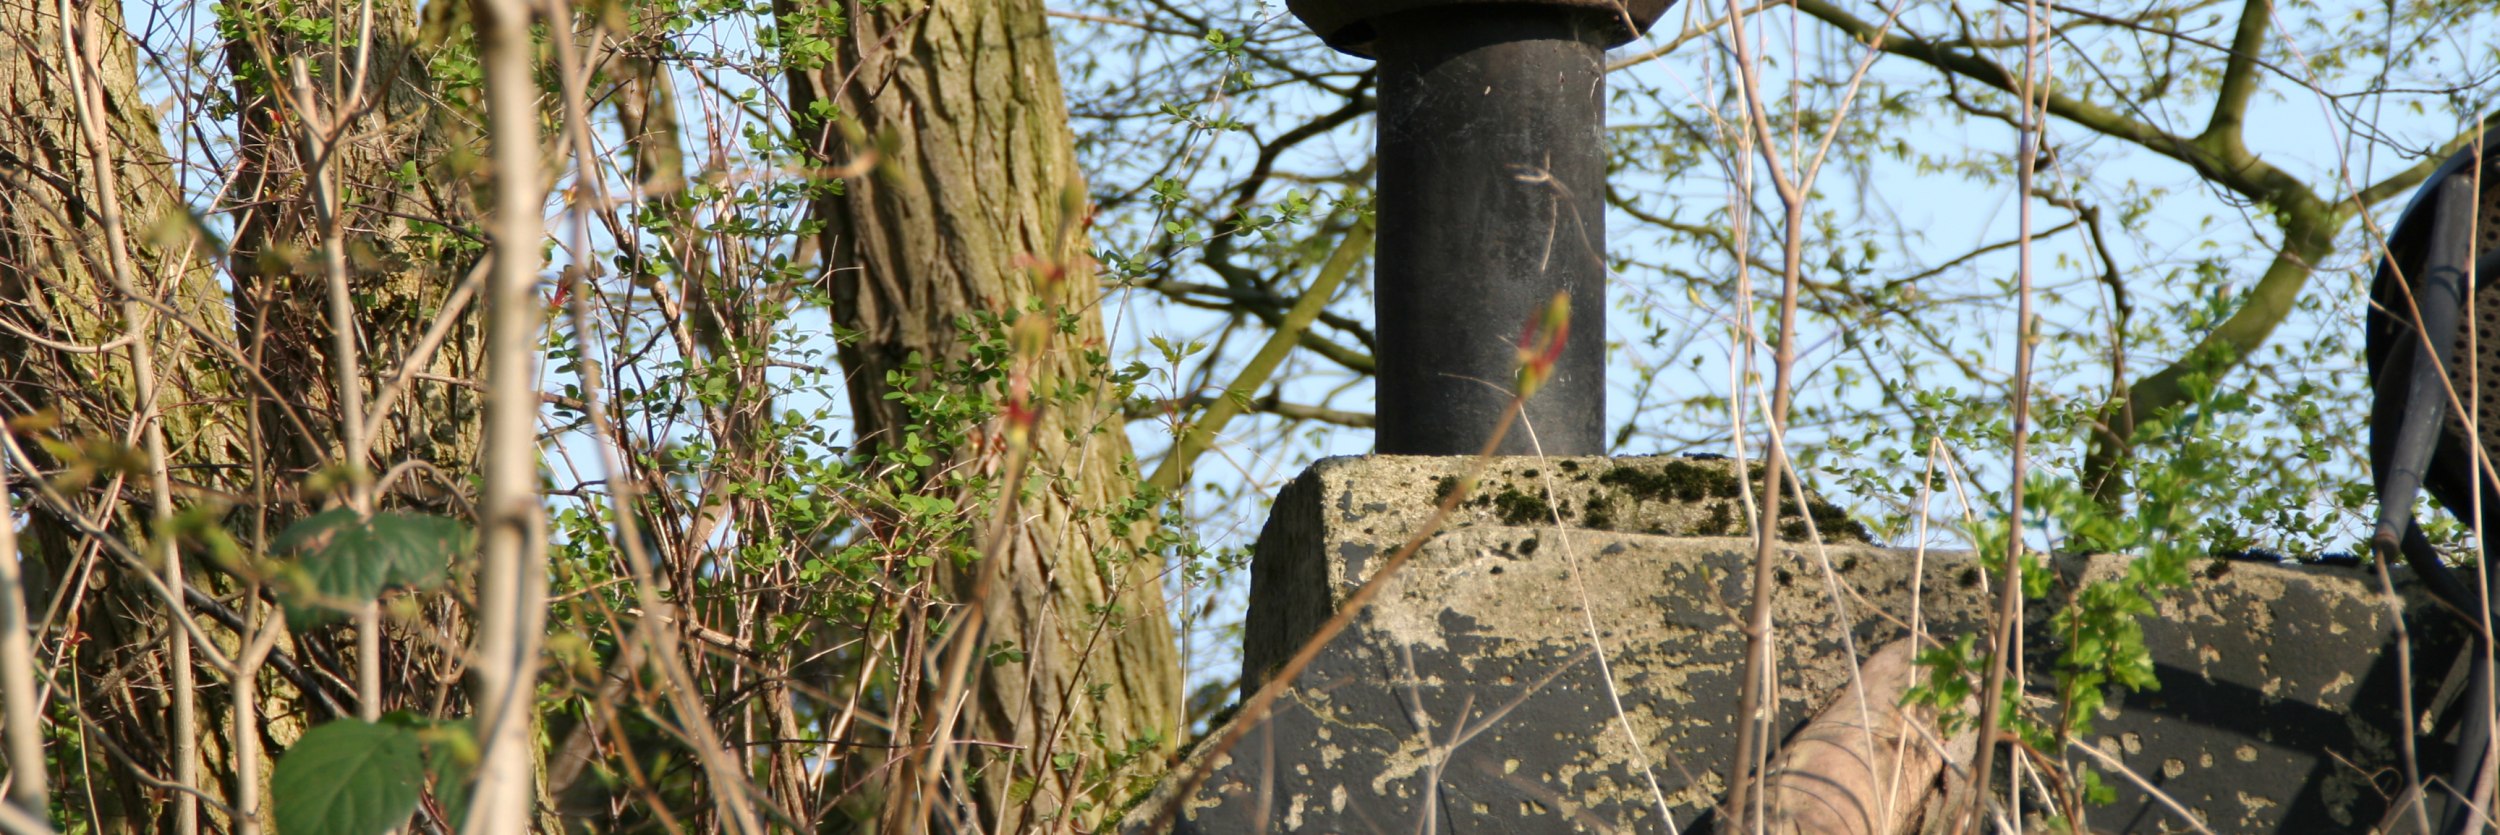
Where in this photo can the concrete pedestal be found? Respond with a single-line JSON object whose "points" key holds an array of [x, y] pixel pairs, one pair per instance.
{"points": [[1473, 697]]}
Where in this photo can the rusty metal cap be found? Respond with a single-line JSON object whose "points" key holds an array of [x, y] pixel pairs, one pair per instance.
{"points": [[1349, 25]]}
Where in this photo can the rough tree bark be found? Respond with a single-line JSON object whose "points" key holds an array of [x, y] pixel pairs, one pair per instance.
{"points": [[1866, 764], [242, 437], [407, 222], [973, 170], [68, 384], [352, 130]]}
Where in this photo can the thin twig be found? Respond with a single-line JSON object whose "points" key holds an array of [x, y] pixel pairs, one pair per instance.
{"points": [[2006, 647], [84, 66]]}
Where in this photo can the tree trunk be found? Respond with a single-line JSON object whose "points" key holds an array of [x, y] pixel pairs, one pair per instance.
{"points": [[54, 274], [70, 385], [975, 191], [1866, 763], [408, 224], [237, 435], [351, 130]]}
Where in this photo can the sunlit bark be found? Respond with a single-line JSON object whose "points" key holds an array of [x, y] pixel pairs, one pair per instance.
{"points": [[512, 571], [974, 193]]}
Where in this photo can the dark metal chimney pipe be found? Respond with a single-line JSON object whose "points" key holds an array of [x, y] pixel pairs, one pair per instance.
{"points": [[1491, 200]]}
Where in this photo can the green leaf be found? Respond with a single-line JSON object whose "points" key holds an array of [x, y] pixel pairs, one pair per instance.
{"points": [[349, 562], [451, 757], [348, 777]]}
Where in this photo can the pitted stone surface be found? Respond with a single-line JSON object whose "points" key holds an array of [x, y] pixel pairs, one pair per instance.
{"points": [[1489, 688], [1330, 526]]}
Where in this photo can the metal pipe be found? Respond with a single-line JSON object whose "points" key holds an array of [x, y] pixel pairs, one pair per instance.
{"points": [[1491, 199]]}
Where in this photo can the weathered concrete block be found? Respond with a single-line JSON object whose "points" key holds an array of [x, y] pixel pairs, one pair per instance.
{"points": [[1526, 677]]}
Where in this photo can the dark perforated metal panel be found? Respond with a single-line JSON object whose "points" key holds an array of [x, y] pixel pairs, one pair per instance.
{"points": [[2392, 340], [2474, 357]]}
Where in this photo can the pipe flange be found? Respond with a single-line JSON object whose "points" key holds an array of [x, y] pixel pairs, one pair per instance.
{"points": [[1350, 25]]}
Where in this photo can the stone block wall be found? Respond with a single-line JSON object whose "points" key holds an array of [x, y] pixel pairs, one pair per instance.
{"points": [[1524, 676]]}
